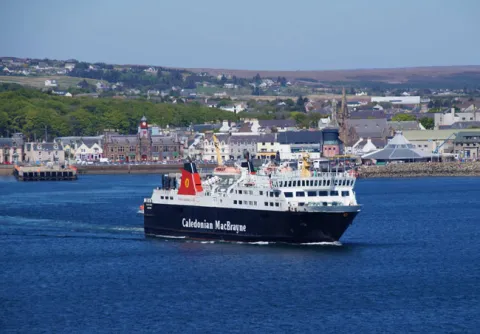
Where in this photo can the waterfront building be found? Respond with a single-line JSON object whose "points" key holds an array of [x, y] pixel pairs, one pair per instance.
{"points": [[141, 147], [397, 149], [11, 149], [467, 144], [267, 146], [294, 143], [41, 153]]}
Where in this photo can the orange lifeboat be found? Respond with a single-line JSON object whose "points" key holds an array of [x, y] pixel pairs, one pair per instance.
{"points": [[225, 170], [353, 172]]}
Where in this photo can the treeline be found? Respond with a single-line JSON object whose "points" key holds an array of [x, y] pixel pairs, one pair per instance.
{"points": [[29, 111]]}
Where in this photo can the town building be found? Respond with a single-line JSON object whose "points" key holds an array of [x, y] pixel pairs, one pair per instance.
{"points": [[449, 118], [231, 147], [267, 146], [427, 141], [467, 145], [141, 147], [11, 149], [294, 143], [397, 100], [397, 149], [37, 153]]}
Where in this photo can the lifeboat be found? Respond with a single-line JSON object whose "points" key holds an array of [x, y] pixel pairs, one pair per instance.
{"points": [[353, 172], [226, 170]]}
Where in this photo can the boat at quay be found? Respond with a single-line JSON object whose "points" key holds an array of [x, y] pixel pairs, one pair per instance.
{"points": [[272, 205]]}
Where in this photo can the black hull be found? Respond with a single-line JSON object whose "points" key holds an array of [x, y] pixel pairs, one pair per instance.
{"points": [[242, 225]]}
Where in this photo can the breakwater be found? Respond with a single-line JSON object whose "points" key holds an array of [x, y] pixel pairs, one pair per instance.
{"points": [[421, 169]]}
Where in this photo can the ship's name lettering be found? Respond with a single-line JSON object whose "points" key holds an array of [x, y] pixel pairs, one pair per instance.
{"points": [[218, 225]]}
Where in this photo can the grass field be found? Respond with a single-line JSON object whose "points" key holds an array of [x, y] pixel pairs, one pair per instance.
{"points": [[64, 82]]}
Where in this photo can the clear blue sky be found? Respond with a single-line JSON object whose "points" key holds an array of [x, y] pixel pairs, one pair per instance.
{"points": [[247, 34]]}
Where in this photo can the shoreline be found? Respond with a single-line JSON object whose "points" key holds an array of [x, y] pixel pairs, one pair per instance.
{"points": [[421, 169], [6, 170]]}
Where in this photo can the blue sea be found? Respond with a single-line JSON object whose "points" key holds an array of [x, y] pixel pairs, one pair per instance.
{"points": [[73, 259]]}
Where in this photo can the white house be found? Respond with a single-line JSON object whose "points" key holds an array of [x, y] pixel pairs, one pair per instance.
{"points": [[51, 83], [88, 150], [396, 100], [69, 66], [235, 107], [209, 150], [448, 118], [151, 70]]}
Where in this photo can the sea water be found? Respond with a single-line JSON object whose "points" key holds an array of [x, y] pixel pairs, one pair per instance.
{"points": [[73, 259]]}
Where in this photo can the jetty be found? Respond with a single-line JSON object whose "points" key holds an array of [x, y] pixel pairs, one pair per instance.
{"points": [[45, 173]]}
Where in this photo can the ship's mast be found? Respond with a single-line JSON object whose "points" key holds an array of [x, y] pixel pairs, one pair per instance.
{"points": [[344, 115]]}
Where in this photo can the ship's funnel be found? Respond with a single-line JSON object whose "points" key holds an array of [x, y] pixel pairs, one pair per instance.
{"points": [[190, 182]]}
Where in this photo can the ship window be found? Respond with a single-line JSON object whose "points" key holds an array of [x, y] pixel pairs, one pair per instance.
{"points": [[266, 203], [239, 202], [315, 184], [251, 203], [289, 183], [333, 193], [277, 193], [312, 193], [261, 193], [161, 197], [345, 194], [301, 204], [240, 192], [276, 204], [328, 182], [300, 194], [271, 203], [281, 183], [171, 197], [303, 183], [288, 194], [235, 202], [255, 203], [323, 193], [271, 194], [324, 182]]}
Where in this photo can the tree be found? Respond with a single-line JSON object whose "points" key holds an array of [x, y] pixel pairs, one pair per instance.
{"points": [[3, 123], [403, 117], [300, 101], [427, 122]]}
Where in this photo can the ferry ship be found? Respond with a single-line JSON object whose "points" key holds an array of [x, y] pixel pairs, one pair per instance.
{"points": [[298, 206]]}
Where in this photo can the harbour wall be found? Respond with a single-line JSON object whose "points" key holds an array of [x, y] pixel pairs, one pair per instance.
{"points": [[137, 169], [421, 169], [6, 170]]}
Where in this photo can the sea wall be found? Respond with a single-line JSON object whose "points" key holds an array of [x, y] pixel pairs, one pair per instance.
{"points": [[421, 169], [136, 169], [6, 170]]}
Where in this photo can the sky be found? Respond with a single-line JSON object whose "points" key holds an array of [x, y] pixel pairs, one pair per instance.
{"points": [[247, 34]]}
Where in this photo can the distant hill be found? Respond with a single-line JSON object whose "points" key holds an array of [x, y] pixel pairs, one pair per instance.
{"points": [[452, 76]]}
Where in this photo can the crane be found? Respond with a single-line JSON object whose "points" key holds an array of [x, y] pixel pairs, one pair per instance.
{"points": [[217, 149], [438, 147]]}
